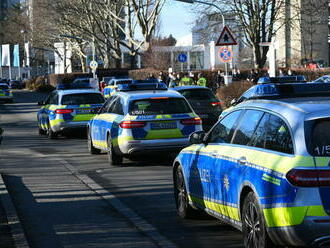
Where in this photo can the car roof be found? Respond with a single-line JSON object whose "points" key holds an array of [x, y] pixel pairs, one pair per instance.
{"points": [[76, 91], [142, 94], [189, 87], [292, 108]]}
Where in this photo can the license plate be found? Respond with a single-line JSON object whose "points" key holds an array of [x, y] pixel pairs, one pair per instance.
{"points": [[83, 111], [163, 125]]}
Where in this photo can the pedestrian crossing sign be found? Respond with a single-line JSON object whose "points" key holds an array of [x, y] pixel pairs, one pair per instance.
{"points": [[226, 38]]}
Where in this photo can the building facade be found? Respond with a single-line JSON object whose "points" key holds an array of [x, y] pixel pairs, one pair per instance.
{"points": [[303, 33]]}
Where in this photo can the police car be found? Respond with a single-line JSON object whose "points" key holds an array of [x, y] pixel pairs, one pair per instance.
{"points": [[111, 87], [264, 169], [203, 102], [5, 93], [142, 118], [67, 109]]}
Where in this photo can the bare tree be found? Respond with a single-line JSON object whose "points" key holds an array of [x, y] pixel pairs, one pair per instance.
{"points": [[314, 15], [259, 20]]}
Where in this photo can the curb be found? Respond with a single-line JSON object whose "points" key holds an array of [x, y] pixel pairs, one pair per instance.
{"points": [[14, 223]]}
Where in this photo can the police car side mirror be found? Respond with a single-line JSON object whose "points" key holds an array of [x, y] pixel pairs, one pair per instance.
{"points": [[41, 103], [197, 137]]}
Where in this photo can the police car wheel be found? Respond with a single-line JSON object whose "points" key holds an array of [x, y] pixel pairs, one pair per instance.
{"points": [[184, 210], [41, 131], [253, 224], [114, 159], [50, 133], [91, 148]]}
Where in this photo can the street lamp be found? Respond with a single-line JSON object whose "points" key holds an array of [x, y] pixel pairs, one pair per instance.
{"points": [[86, 40], [223, 23]]}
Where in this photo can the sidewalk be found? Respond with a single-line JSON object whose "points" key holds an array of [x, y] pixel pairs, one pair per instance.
{"points": [[58, 210]]}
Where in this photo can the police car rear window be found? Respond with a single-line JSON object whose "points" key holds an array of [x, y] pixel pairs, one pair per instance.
{"points": [[320, 142], [78, 99], [199, 94], [4, 87], [159, 106]]}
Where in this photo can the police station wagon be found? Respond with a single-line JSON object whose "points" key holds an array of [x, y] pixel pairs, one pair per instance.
{"points": [[67, 109], [137, 121], [264, 169]]}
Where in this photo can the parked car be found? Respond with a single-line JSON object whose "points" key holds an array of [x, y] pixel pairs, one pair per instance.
{"points": [[15, 84], [203, 101], [323, 79], [142, 118], [264, 169], [5, 93], [67, 109]]}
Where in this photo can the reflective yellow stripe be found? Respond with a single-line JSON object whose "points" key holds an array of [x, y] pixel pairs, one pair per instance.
{"points": [[228, 211], [82, 117], [290, 216], [101, 144], [285, 216], [164, 134], [267, 159], [56, 122]]}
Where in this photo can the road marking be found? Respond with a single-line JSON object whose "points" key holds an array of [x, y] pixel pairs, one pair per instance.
{"points": [[141, 224]]}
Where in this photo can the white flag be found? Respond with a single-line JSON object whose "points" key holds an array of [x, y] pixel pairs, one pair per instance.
{"points": [[5, 61], [27, 54]]}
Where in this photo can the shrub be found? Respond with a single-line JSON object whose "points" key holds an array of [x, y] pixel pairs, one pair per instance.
{"points": [[232, 91], [143, 73]]}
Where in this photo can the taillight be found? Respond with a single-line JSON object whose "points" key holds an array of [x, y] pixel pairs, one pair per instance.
{"points": [[216, 104], [308, 178], [132, 124], [192, 121], [63, 111]]}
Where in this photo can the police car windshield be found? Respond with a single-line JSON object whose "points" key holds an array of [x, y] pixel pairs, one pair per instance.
{"points": [[159, 106], [320, 142], [82, 98], [199, 94], [4, 87]]}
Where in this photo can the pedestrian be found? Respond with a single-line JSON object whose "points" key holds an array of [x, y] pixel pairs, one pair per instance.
{"points": [[151, 76], [201, 80], [186, 80], [281, 73], [174, 80]]}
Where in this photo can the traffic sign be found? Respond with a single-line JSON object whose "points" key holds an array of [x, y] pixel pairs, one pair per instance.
{"points": [[93, 65], [225, 54], [182, 58], [226, 38]]}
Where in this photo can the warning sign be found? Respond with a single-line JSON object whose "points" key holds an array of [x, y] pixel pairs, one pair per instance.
{"points": [[226, 38]]}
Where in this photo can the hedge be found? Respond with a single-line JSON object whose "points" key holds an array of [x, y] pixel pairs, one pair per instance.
{"points": [[55, 79]]}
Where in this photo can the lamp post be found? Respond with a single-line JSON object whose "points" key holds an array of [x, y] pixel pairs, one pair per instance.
{"points": [[223, 22], [92, 42]]}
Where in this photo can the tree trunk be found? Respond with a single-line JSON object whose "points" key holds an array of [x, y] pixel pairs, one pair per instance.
{"points": [[83, 63], [118, 63], [133, 61]]}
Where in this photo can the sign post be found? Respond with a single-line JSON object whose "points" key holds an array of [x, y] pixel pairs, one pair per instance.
{"points": [[226, 39], [182, 58]]}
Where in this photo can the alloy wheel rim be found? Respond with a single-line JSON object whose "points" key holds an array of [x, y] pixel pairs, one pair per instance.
{"points": [[252, 222], [181, 191]]}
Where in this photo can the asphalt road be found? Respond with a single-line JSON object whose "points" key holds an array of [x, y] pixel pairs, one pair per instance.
{"points": [[68, 198]]}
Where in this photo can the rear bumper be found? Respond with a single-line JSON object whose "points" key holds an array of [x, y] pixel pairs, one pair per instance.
{"points": [[308, 234], [69, 125], [138, 147]]}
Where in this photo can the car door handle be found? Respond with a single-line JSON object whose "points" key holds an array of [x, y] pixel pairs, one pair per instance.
{"points": [[214, 154], [242, 160]]}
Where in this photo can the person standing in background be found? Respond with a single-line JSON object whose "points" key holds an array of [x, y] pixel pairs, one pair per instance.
{"points": [[201, 81]]}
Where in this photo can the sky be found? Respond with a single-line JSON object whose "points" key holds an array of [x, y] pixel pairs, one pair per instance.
{"points": [[176, 19]]}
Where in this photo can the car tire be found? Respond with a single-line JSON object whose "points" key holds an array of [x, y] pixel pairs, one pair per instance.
{"points": [[41, 131], [114, 159], [91, 148], [253, 224], [183, 207], [50, 133]]}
